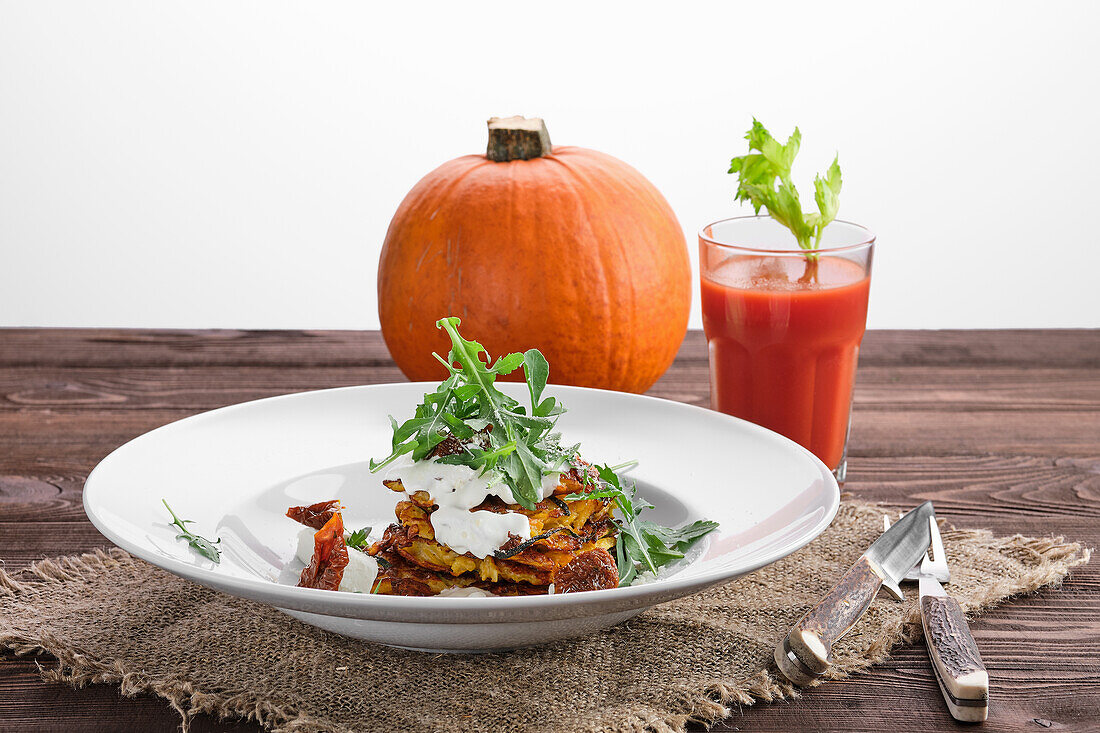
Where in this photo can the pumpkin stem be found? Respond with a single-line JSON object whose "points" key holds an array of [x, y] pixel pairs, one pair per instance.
{"points": [[517, 138]]}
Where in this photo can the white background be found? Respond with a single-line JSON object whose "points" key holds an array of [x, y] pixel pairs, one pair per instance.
{"points": [[232, 164]]}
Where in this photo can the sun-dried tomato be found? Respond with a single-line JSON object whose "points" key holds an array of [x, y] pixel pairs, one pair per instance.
{"points": [[592, 570], [330, 557], [314, 515]]}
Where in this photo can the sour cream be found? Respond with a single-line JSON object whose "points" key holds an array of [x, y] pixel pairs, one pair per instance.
{"points": [[360, 573], [549, 482], [458, 489], [470, 592]]}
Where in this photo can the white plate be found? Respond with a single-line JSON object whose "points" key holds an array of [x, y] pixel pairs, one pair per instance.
{"points": [[236, 470]]}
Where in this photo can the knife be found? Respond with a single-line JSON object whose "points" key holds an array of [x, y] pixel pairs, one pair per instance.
{"points": [[952, 650], [803, 655]]}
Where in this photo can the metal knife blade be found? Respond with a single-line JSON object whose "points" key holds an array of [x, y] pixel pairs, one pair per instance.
{"points": [[805, 653], [902, 546]]}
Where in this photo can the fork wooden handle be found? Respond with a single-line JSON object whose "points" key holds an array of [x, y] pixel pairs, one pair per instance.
{"points": [[963, 679], [803, 655]]}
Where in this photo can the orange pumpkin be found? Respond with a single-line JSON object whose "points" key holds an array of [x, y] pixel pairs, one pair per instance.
{"points": [[563, 249]]}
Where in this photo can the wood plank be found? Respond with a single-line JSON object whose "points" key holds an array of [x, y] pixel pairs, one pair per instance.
{"points": [[1008, 388], [84, 438], [1021, 410], [997, 491], [138, 347], [1068, 348], [46, 496], [29, 389], [32, 705], [73, 441], [978, 490], [22, 543], [946, 389], [928, 433], [141, 347]]}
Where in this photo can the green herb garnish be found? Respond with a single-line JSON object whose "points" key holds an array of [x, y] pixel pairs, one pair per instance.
{"points": [[202, 545], [358, 539], [642, 543], [520, 445], [759, 172]]}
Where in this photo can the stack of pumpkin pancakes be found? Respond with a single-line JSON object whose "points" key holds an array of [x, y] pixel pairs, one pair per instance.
{"points": [[568, 550]]}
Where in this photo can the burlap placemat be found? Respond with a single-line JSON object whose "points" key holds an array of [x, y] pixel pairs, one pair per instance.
{"points": [[110, 618]]}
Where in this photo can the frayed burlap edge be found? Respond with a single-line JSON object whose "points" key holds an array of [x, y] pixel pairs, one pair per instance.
{"points": [[708, 704], [79, 670]]}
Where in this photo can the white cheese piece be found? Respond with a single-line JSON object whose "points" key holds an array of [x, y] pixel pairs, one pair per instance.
{"points": [[306, 544], [360, 573]]}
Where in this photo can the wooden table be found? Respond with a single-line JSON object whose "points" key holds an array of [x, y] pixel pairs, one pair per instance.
{"points": [[1000, 428]]}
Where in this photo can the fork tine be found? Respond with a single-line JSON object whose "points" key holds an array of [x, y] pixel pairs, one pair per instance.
{"points": [[886, 520], [938, 553]]}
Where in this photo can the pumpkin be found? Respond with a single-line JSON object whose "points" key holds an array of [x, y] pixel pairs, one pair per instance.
{"points": [[563, 249]]}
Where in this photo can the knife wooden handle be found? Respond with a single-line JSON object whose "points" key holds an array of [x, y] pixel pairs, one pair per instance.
{"points": [[804, 653], [963, 679]]}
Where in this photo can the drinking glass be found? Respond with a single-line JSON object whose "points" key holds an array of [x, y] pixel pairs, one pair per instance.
{"points": [[784, 326]]}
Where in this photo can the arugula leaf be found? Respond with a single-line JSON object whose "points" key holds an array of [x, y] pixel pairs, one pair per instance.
{"points": [[521, 446], [759, 172], [358, 538], [508, 364], [683, 537], [537, 371], [642, 543], [628, 571], [202, 545], [459, 428], [427, 428]]}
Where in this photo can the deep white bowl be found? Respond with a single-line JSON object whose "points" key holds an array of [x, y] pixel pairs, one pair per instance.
{"points": [[235, 470]]}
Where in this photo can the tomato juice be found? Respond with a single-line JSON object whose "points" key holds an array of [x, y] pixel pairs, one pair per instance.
{"points": [[784, 336]]}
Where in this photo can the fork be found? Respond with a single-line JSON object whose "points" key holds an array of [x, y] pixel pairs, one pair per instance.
{"points": [[936, 567], [962, 677]]}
